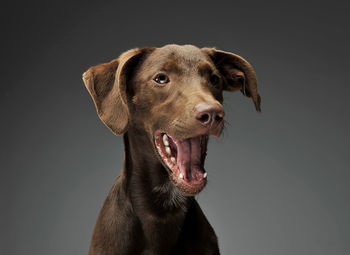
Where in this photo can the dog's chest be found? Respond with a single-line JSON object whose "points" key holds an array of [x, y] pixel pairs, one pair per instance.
{"points": [[161, 234]]}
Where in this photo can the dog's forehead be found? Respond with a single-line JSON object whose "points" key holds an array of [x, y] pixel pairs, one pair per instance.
{"points": [[174, 56], [183, 52]]}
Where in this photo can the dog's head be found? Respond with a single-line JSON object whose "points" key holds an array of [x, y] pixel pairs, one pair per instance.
{"points": [[175, 94]]}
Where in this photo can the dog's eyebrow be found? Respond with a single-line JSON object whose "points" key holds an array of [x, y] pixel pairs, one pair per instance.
{"points": [[172, 66], [204, 68]]}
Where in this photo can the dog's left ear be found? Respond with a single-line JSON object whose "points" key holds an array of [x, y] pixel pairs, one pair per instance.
{"points": [[237, 72], [107, 85]]}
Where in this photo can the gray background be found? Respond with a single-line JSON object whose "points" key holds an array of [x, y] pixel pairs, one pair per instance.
{"points": [[279, 182]]}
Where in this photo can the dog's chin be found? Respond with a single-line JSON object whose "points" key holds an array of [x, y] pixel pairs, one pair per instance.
{"points": [[184, 160]]}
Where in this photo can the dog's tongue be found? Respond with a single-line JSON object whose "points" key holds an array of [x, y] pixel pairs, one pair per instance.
{"points": [[189, 157]]}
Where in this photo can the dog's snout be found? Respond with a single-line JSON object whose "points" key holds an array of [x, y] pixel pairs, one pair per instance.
{"points": [[209, 114]]}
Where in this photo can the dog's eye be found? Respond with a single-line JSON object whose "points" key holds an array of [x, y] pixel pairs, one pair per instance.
{"points": [[161, 78], [214, 79]]}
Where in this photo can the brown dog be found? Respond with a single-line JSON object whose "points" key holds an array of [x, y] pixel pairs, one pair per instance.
{"points": [[166, 101]]}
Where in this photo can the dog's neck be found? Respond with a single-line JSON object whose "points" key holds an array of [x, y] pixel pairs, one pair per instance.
{"points": [[146, 179]]}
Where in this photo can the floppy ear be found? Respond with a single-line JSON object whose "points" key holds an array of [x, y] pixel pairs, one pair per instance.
{"points": [[237, 72], [106, 84]]}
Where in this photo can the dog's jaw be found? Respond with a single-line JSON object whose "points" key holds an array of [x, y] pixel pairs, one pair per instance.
{"points": [[184, 161]]}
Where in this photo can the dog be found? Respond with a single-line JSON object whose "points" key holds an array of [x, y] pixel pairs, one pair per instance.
{"points": [[166, 102]]}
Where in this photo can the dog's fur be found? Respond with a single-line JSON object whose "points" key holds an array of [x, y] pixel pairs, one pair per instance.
{"points": [[145, 212]]}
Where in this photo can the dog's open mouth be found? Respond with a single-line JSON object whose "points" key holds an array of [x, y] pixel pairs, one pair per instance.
{"points": [[184, 159]]}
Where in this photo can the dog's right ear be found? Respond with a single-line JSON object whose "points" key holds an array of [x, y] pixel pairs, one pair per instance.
{"points": [[106, 84]]}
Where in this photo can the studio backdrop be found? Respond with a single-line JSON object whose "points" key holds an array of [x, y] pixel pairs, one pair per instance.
{"points": [[279, 181]]}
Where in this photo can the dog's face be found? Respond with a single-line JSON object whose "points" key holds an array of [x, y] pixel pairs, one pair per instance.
{"points": [[175, 94]]}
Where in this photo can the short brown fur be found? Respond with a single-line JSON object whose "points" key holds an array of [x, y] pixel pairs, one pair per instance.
{"points": [[144, 213]]}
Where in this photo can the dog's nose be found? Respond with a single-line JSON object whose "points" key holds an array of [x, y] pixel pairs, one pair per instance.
{"points": [[209, 114]]}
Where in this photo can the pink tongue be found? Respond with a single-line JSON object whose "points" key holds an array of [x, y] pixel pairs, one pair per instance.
{"points": [[189, 157]]}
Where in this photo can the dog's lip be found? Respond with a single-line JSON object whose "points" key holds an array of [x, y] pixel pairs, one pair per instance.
{"points": [[184, 160]]}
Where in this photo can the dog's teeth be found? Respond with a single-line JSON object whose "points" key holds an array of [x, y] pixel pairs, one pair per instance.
{"points": [[165, 140], [167, 149], [172, 159], [205, 175], [181, 176]]}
